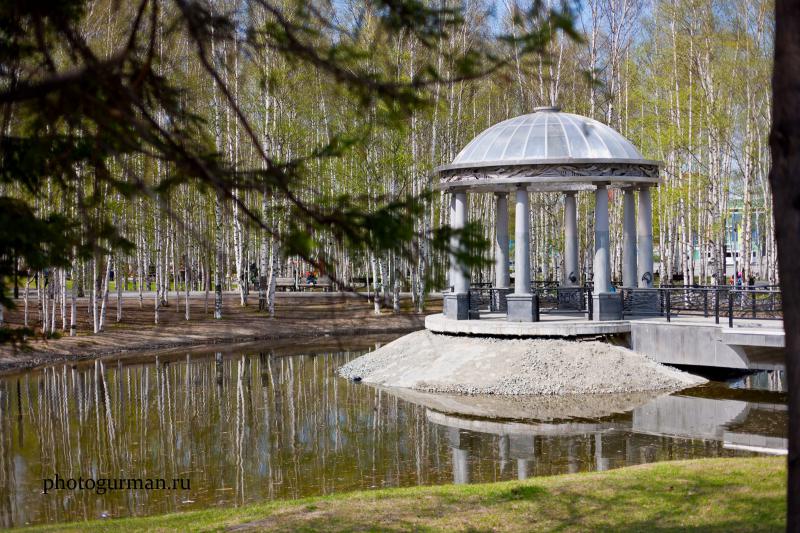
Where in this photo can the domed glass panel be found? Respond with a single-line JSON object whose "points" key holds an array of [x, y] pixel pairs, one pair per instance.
{"points": [[544, 135]]}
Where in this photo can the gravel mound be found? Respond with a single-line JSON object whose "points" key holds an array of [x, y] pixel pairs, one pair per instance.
{"points": [[433, 362]]}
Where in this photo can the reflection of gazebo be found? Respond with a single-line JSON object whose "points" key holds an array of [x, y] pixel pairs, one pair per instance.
{"points": [[551, 151]]}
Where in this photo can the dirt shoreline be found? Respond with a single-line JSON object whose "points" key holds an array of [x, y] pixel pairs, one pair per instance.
{"points": [[303, 317]]}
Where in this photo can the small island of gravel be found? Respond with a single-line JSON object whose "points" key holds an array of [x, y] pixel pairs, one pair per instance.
{"points": [[434, 362]]}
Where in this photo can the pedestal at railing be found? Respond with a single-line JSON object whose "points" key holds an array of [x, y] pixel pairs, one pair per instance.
{"points": [[522, 308], [570, 299], [607, 306], [456, 305]]}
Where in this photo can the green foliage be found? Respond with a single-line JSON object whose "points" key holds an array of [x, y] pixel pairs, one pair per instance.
{"points": [[90, 125], [41, 242]]}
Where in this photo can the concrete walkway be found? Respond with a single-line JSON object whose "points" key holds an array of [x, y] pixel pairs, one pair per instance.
{"points": [[684, 340], [576, 324], [550, 325]]}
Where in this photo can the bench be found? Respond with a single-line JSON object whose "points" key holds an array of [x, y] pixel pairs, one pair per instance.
{"points": [[285, 284], [360, 281], [323, 283]]}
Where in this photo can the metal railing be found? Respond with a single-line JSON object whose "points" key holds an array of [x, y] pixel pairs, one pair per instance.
{"points": [[484, 297], [718, 301]]}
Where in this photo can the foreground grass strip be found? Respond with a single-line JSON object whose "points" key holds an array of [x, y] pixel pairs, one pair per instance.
{"points": [[707, 494]]}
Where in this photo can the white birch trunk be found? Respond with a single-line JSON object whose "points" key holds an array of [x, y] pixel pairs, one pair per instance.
{"points": [[273, 275], [218, 251], [375, 295], [95, 324], [73, 312], [104, 302], [27, 297], [119, 280]]}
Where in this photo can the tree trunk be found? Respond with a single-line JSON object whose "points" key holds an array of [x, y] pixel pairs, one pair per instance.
{"points": [[273, 276], [375, 296], [95, 325], [73, 312], [785, 180], [119, 279], [27, 290], [395, 286], [104, 298], [157, 239], [218, 252], [63, 297]]}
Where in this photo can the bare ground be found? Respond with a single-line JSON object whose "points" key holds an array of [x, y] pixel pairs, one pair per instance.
{"points": [[300, 316]]}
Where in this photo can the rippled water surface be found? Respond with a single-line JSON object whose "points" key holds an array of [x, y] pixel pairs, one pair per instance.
{"points": [[258, 424]]}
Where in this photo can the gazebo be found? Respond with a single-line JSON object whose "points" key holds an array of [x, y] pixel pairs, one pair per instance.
{"points": [[552, 151]]}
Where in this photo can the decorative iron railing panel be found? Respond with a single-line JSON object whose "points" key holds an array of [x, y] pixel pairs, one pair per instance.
{"points": [[718, 301], [642, 302], [729, 302], [548, 298]]}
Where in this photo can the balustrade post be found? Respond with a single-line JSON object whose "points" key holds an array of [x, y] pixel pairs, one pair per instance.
{"points": [[668, 304], [730, 309]]}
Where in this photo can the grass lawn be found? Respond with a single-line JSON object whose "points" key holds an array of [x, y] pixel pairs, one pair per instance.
{"points": [[704, 495]]}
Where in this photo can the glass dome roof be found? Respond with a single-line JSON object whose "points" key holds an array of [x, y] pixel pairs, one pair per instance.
{"points": [[545, 135]]}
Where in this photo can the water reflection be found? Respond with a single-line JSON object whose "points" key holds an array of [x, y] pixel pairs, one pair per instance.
{"points": [[759, 427], [252, 426], [769, 380]]}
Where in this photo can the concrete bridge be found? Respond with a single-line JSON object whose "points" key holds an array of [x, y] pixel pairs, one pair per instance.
{"points": [[751, 345], [685, 340]]}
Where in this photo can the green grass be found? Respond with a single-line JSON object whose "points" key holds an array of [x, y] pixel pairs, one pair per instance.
{"points": [[703, 495]]}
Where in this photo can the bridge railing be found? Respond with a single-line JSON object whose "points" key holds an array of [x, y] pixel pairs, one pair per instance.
{"points": [[721, 301]]}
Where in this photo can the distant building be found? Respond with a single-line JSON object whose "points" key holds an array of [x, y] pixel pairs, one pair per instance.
{"points": [[734, 242]]}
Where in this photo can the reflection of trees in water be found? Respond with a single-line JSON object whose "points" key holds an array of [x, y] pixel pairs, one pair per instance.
{"points": [[294, 430], [250, 427]]}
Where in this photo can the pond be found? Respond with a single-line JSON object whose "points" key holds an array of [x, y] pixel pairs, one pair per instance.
{"points": [[265, 422]]}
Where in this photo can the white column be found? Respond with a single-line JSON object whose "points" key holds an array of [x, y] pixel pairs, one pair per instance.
{"points": [[461, 273], [451, 276], [629, 240], [602, 261], [570, 240], [502, 278], [522, 236], [644, 233]]}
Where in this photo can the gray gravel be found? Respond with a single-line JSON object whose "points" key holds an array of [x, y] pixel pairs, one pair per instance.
{"points": [[432, 362]]}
